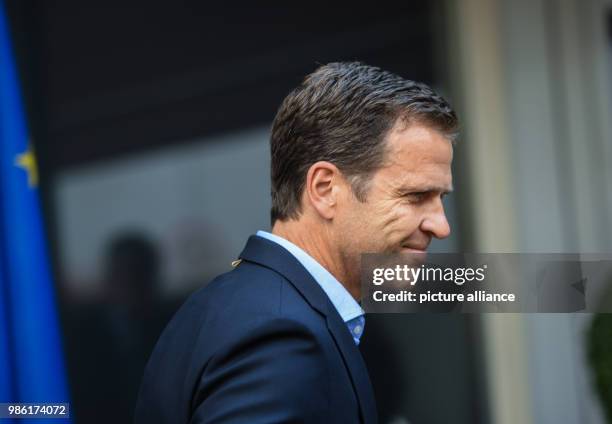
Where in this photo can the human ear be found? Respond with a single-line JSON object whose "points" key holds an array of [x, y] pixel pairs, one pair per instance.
{"points": [[321, 190]]}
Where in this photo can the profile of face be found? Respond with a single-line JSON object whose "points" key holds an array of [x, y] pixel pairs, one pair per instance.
{"points": [[403, 209]]}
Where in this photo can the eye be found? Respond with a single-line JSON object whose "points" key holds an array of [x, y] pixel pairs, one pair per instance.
{"points": [[418, 196]]}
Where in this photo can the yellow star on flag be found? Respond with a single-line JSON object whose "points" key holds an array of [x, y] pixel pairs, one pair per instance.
{"points": [[27, 161]]}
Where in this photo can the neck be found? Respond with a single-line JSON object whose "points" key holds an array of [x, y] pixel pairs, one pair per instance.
{"points": [[316, 240]]}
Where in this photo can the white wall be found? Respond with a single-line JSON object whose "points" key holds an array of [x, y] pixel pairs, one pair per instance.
{"points": [[534, 79], [198, 202]]}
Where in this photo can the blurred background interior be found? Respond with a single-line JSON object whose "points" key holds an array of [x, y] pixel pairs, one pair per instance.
{"points": [[151, 124]]}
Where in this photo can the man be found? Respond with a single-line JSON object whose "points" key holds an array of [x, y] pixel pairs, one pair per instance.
{"points": [[361, 159]]}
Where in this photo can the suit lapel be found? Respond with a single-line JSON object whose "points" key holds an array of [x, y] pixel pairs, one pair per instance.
{"points": [[355, 364], [271, 255]]}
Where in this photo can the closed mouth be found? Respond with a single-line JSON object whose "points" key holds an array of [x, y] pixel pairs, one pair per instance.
{"points": [[415, 249]]}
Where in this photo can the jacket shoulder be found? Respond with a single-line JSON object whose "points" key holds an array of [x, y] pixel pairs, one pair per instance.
{"points": [[240, 310]]}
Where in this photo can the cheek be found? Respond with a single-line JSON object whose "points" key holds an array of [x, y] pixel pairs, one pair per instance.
{"points": [[384, 223], [401, 221], [364, 224]]}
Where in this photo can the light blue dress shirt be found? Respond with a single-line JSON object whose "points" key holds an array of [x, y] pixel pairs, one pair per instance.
{"points": [[348, 308]]}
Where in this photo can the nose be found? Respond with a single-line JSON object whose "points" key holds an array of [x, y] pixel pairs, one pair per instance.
{"points": [[436, 224]]}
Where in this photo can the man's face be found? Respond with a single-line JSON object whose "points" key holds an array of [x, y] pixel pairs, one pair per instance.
{"points": [[403, 209]]}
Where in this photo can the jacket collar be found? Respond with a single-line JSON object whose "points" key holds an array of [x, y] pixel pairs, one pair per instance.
{"points": [[273, 256]]}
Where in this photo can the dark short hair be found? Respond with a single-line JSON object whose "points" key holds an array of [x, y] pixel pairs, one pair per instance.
{"points": [[341, 113]]}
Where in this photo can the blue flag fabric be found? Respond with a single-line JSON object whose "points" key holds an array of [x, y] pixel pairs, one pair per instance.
{"points": [[31, 362]]}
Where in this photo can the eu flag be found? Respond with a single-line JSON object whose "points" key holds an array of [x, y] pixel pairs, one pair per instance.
{"points": [[31, 363]]}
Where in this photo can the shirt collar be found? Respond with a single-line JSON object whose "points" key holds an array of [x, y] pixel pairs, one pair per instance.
{"points": [[345, 304]]}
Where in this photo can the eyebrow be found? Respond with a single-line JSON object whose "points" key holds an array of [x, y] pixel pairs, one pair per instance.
{"points": [[425, 189]]}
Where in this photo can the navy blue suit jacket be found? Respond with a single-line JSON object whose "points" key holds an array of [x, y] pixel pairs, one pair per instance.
{"points": [[259, 344]]}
